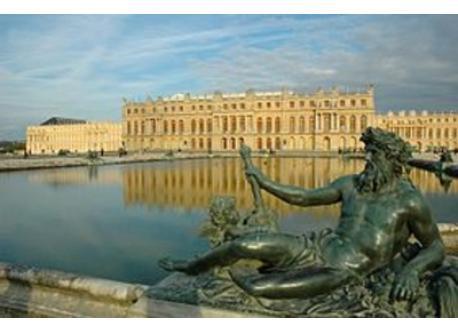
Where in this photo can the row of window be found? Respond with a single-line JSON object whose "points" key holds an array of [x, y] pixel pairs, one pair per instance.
{"points": [[259, 105], [270, 125], [411, 133]]}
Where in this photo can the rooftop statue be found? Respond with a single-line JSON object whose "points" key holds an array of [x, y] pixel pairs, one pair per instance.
{"points": [[380, 211]]}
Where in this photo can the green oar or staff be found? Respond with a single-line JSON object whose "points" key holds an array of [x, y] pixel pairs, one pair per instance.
{"points": [[245, 153]]}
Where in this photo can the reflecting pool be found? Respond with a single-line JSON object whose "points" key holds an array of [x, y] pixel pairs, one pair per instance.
{"points": [[117, 221]]}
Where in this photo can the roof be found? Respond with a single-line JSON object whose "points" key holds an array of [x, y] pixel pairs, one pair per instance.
{"points": [[62, 121]]}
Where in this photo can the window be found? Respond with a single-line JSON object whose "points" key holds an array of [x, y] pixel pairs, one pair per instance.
{"points": [[292, 124], [277, 125], [201, 107], [277, 104], [209, 125], [353, 102], [259, 105], [242, 106], [301, 104], [342, 103], [312, 104], [128, 111], [234, 106], [173, 108], [268, 105], [363, 102], [269, 125], [291, 104], [363, 123], [352, 124], [259, 125], [181, 108]]}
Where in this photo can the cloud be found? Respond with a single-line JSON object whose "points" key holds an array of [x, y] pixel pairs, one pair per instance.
{"points": [[81, 66]]}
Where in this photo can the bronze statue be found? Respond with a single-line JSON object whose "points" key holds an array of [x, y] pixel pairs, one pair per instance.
{"points": [[380, 210]]}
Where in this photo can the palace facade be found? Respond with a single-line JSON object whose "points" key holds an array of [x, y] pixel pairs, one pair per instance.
{"points": [[283, 120], [424, 130], [72, 135]]}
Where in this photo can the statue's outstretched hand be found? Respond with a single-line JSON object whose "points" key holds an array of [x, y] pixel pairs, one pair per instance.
{"points": [[405, 285]]}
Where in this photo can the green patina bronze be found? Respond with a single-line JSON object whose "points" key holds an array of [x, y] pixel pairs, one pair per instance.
{"points": [[368, 260]]}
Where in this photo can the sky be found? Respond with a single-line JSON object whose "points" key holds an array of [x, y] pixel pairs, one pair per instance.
{"points": [[81, 66]]}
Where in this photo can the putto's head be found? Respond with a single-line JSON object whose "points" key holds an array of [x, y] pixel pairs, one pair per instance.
{"points": [[386, 158]]}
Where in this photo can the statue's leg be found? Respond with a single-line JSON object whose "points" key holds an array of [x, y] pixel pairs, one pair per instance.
{"points": [[304, 283], [268, 248]]}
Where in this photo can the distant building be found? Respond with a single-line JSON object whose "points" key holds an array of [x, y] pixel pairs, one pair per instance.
{"points": [[72, 135], [281, 120], [425, 130]]}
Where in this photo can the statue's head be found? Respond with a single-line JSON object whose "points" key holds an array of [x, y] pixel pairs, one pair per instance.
{"points": [[386, 158], [223, 211]]}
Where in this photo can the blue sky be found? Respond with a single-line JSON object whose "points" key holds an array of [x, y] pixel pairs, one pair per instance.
{"points": [[81, 66]]}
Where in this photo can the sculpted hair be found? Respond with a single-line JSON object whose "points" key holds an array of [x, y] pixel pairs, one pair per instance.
{"points": [[397, 151]]}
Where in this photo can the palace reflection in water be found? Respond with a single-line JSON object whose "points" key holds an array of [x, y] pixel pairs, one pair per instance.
{"points": [[191, 184]]}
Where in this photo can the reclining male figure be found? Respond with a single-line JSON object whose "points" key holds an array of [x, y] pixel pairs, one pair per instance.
{"points": [[380, 210]]}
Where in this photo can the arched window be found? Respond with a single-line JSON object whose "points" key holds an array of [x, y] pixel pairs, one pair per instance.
{"points": [[173, 127], [363, 123], [233, 143], [224, 143], [277, 143], [181, 126], [201, 143], [259, 125], [343, 123], [353, 124], [269, 125], [259, 143], [301, 124], [438, 133], [129, 129], [269, 143], [292, 124], [209, 125], [166, 126], [277, 125], [193, 126], [312, 124], [225, 124], [201, 126]]}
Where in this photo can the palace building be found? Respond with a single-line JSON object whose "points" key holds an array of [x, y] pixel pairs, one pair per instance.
{"points": [[72, 135], [424, 130], [283, 120]]}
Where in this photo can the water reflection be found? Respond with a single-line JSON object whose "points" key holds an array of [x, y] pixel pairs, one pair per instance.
{"points": [[191, 184], [117, 221]]}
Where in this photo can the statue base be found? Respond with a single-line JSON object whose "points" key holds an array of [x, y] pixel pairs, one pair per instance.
{"points": [[437, 296]]}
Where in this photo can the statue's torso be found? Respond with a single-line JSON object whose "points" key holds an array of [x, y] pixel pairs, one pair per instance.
{"points": [[372, 229]]}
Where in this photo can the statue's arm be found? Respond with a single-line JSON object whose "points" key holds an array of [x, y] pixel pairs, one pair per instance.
{"points": [[430, 256], [301, 197], [426, 232]]}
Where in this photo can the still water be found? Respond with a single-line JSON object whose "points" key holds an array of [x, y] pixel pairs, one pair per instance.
{"points": [[116, 221]]}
